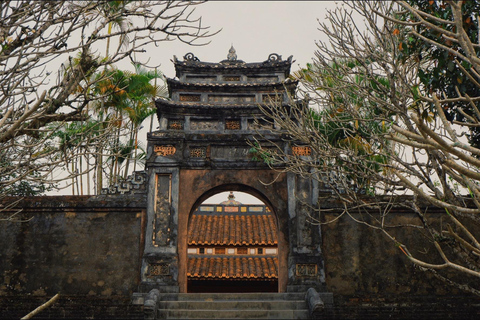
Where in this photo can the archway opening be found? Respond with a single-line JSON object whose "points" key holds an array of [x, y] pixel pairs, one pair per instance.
{"points": [[232, 245]]}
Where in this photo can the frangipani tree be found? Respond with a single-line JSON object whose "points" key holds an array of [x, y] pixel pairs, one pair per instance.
{"points": [[369, 117]]}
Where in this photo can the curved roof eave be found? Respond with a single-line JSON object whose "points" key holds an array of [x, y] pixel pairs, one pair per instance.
{"points": [[274, 62], [166, 106], [178, 84]]}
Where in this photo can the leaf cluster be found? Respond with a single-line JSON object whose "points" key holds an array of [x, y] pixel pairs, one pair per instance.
{"points": [[441, 72]]}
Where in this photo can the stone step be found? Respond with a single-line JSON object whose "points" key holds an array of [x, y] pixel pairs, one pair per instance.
{"points": [[258, 305], [232, 314], [232, 296], [235, 305]]}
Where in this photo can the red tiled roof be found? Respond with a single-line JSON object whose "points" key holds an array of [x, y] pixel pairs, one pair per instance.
{"points": [[232, 230], [233, 268]]}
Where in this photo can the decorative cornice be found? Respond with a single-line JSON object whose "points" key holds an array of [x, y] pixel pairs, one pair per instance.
{"points": [[224, 106], [135, 183]]}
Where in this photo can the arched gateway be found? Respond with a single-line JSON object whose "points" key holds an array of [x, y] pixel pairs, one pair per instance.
{"points": [[232, 247], [201, 148]]}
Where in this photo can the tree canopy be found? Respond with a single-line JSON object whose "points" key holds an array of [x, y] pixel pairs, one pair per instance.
{"points": [[53, 108]]}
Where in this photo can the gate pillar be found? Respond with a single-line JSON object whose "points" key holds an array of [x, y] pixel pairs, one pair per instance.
{"points": [[160, 260], [305, 263]]}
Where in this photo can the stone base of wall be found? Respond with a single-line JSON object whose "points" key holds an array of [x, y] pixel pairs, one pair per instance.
{"points": [[120, 307], [400, 308], [71, 307]]}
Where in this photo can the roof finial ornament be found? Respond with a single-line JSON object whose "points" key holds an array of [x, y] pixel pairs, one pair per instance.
{"points": [[232, 55], [231, 201], [190, 57]]}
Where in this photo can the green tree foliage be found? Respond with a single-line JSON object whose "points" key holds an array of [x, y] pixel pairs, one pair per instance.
{"points": [[51, 73], [443, 72], [348, 122], [130, 95]]}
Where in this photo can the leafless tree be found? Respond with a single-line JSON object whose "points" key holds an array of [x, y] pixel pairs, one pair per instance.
{"points": [[375, 135], [51, 65]]}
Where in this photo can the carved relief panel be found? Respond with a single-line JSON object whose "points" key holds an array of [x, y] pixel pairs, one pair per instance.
{"points": [[165, 150], [306, 270], [204, 125], [162, 209]]}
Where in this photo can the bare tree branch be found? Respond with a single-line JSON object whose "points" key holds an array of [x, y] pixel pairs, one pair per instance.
{"points": [[376, 133]]}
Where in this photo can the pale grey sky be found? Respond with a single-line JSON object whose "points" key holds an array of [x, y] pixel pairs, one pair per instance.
{"points": [[242, 197], [255, 28]]}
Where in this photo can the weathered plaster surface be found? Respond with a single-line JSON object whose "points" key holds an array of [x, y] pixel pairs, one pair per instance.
{"points": [[73, 245]]}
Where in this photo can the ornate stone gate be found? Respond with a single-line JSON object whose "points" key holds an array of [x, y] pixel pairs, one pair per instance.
{"points": [[201, 148]]}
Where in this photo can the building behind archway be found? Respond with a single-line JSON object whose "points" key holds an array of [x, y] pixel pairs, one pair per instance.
{"points": [[232, 247]]}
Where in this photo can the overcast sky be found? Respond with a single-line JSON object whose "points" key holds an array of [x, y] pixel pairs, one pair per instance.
{"points": [[255, 28]]}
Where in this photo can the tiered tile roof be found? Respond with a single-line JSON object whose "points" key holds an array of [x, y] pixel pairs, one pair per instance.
{"points": [[233, 268], [232, 230]]}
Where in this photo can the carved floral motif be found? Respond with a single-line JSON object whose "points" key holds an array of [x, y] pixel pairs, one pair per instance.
{"points": [[301, 151], [232, 124], [306, 270], [167, 150], [199, 152], [158, 269], [175, 124], [190, 97]]}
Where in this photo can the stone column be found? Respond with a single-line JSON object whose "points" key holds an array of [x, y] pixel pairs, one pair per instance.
{"points": [[160, 260], [306, 267]]}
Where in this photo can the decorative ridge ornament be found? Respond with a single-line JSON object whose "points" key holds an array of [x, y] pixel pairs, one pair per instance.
{"points": [[134, 184], [232, 61], [190, 57], [231, 201], [232, 54], [274, 57], [232, 58]]}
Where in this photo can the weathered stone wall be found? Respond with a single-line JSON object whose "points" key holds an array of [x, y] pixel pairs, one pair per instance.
{"points": [[371, 278], [91, 248], [363, 262], [73, 245]]}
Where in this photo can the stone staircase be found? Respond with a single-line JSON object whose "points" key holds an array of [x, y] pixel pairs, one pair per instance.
{"points": [[233, 306], [227, 306]]}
